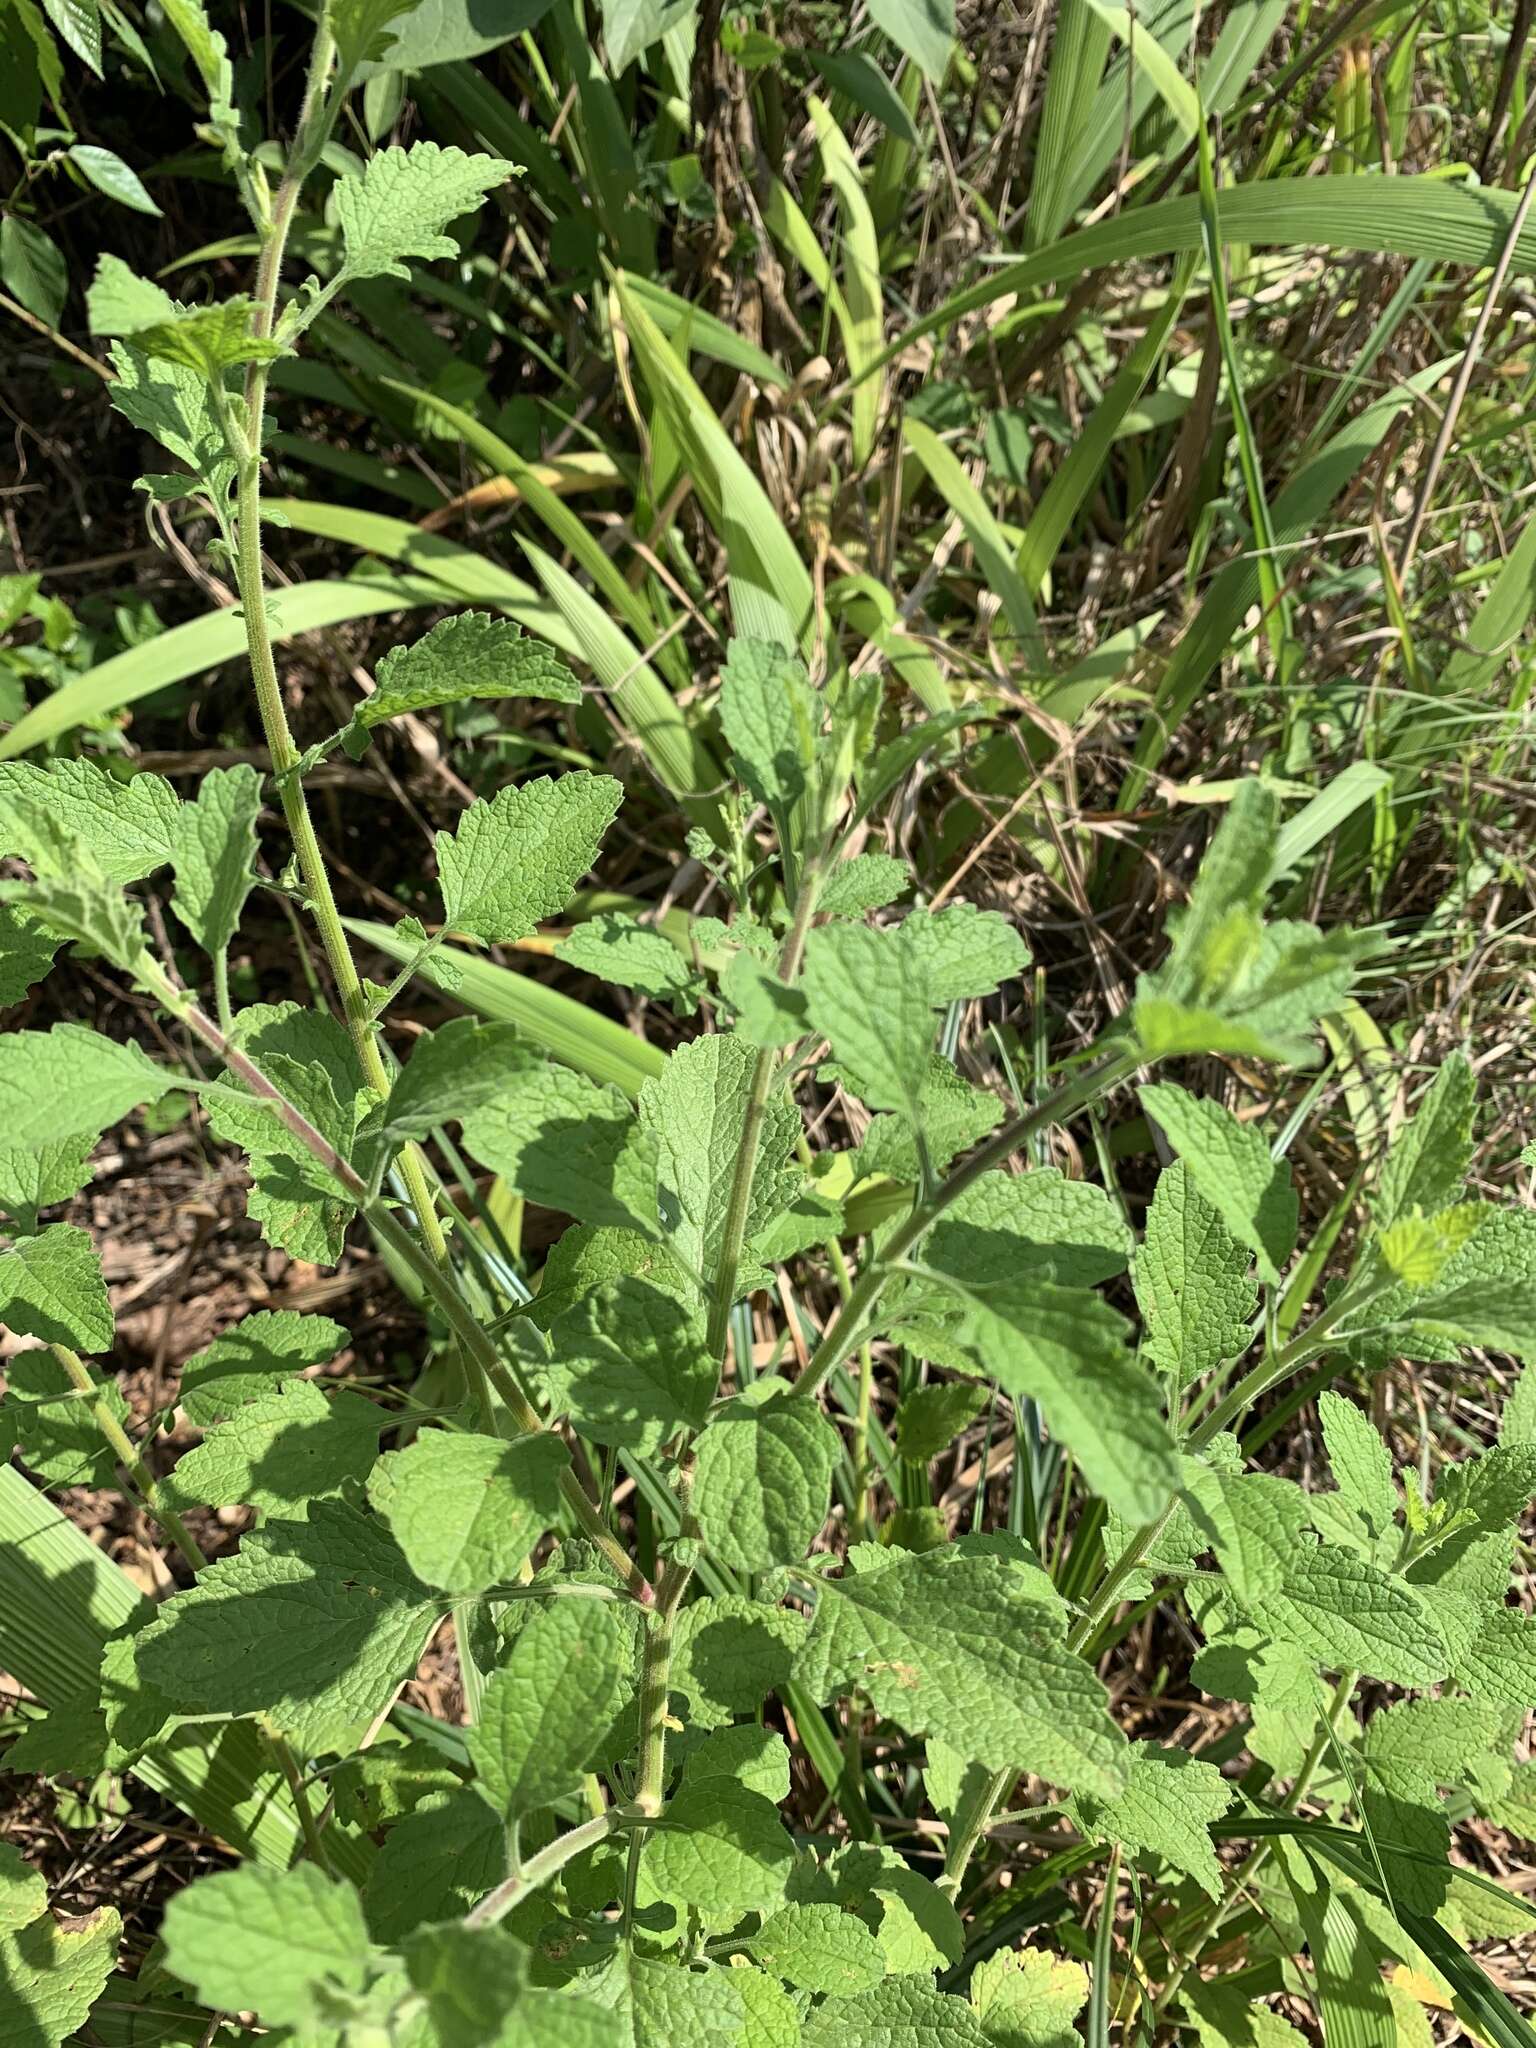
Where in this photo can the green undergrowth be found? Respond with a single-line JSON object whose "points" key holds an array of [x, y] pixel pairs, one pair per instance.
{"points": [[799, 1524]]}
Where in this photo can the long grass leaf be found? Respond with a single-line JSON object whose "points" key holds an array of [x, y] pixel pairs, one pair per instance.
{"points": [[985, 536], [861, 298], [1404, 216], [762, 555], [205, 643], [568, 1030]]}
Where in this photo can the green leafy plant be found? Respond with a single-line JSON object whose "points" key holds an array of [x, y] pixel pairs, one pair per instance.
{"points": [[603, 1847]]}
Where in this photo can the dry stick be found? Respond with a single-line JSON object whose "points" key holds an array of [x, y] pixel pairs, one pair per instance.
{"points": [[438, 1280], [1463, 382]]}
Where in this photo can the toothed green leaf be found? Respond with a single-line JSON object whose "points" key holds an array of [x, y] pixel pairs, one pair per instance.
{"points": [[313, 1623], [53, 1972], [289, 1446], [55, 1431], [1166, 1809], [213, 853], [266, 1940], [402, 202], [1192, 1280], [962, 1648], [618, 948], [548, 1707], [1231, 1166], [472, 655], [127, 823], [51, 1287], [242, 1363], [467, 1510], [516, 858], [763, 1478], [71, 1082], [721, 1852], [1427, 1161], [771, 717]]}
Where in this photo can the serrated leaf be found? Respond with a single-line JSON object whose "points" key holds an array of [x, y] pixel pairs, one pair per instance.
{"points": [[1192, 1281], [26, 952], [471, 1978], [213, 853], [1348, 1614], [71, 1082], [652, 2003], [962, 1648], [309, 1056], [960, 953], [53, 1972], [755, 1757], [1360, 1462], [207, 340], [873, 1006], [1427, 1161], [265, 1940], [722, 1851], [869, 881], [516, 858], [900, 2013], [1069, 1351], [930, 1418], [630, 1364], [1499, 1315], [51, 1287], [242, 1363], [119, 301], [618, 948], [548, 1707], [1065, 1230], [36, 1179], [128, 824], [729, 1653], [81, 905], [453, 1072], [771, 717], [1232, 1167], [567, 1143], [435, 1864], [474, 655], [313, 1623], [1028, 1998], [1166, 1809], [402, 202], [763, 1478], [173, 405], [952, 1116], [466, 1511], [1498, 1662], [695, 1111], [917, 1928], [288, 1447], [58, 1436], [769, 1012], [819, 1948]]}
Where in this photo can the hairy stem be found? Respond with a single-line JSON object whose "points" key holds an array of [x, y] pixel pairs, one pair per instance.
{"points": [[538, 1870], [315, 122], [739, 1201]]}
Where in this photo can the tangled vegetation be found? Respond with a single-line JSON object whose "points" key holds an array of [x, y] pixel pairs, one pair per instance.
{"points": [[805, 761]]}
